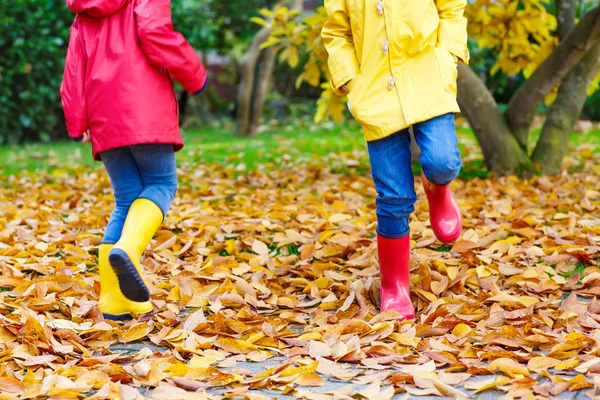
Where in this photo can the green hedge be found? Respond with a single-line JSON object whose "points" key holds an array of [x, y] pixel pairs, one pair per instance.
{"points": [[33, 41], [592, 107]]}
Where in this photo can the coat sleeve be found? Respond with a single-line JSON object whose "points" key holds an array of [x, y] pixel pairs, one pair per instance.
{"points": [[166, 48], [452, 33], [72, 88], [337, 38]]}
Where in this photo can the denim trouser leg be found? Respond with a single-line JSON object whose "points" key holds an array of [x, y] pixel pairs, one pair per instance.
{"points": [[392, 173], [392, 170], [145, 171], [440, 157], [158, 171]]}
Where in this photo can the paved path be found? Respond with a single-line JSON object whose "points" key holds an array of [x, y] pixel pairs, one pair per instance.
{"points": [[331, 383]]}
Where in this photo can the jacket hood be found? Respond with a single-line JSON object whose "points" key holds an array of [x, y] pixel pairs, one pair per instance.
{"points": [[95, 8]]}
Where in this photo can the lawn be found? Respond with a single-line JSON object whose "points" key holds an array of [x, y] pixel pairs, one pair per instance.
{"points": [[276, 146]]}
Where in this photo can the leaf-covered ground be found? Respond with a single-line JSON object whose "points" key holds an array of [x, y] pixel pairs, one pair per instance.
{"points": [[258, 263]]}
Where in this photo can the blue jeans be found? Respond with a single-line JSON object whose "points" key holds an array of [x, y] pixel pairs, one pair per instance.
{"points": [[144, 171], [392, 170]]}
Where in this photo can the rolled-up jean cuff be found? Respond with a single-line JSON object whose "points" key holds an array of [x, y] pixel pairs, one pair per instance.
{"points": [[393, 236], [393, 227], [108, 241], [445, 182]]}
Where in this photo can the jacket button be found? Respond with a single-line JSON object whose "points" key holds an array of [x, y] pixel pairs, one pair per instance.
{"points": [[391, 83], [386, 47], [379, 7]]}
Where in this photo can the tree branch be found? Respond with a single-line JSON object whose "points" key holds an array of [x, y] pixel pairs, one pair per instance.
{"points": [[265, 66], [522, 106], [501, 150], [553, 144], [246, 86], [565, 15]]}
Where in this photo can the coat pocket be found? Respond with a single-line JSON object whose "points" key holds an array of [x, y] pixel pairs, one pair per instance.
{"points": [[448, 69], [355, 93]]}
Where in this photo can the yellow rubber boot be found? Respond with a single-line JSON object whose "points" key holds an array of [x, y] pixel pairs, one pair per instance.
{"points": [[113, 304], [143, 219]]}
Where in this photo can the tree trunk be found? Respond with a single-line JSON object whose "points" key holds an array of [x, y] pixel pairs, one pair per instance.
{"points": [[257, 68], [501, 151], [562, 116], [246, 89], [522, 106], [265, 66], [565, 15]]}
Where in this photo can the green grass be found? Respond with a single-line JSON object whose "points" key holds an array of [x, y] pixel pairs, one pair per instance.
{"points": [[301, 143], [39, 157], [443, 248], [278, 145], [579, 268], [577, 139]]}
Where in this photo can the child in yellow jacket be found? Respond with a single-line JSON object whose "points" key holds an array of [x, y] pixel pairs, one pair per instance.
{"points": [[396, 60]]}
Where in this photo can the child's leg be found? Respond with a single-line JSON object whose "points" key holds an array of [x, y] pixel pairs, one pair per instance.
{"points": [[158, 170], [127, 185], [440, 157], [156, 164], [441, 162], [392, 173]]}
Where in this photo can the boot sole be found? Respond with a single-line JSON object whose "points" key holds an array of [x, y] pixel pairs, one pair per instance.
{"points": [[131, 283], [121, 317]]}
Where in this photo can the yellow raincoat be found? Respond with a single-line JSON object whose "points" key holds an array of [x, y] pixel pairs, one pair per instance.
{"points": [[395, 59]]}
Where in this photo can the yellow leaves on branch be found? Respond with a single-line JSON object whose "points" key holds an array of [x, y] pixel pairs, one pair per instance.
{"points": [[286, 34], [522, 33], [290, 38]]}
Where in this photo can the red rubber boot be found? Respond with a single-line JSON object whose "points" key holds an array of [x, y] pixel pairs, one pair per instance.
{"points": [[394, 267], [444, 214]]}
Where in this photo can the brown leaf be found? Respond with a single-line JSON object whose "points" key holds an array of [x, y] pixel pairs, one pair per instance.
{"points": [[193, 320], [310, 380], [307, 252], [188, 384], [318, 349]]}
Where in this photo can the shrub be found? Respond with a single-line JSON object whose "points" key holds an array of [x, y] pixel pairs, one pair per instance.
{"points": [[33, 40]]}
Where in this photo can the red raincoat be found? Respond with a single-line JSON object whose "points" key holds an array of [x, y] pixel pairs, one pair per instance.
{"points": [[117, 78]]}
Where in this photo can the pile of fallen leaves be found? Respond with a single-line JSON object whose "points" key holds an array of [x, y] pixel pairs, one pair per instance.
{"points": [[282, 263]]}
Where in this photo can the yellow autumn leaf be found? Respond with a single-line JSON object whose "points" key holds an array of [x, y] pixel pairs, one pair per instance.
{"points": [[136, 332], [567, 364], [509, 367], [541, 363]]}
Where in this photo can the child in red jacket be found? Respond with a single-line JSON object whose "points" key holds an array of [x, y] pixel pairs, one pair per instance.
{"points": [[117, 93]]}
